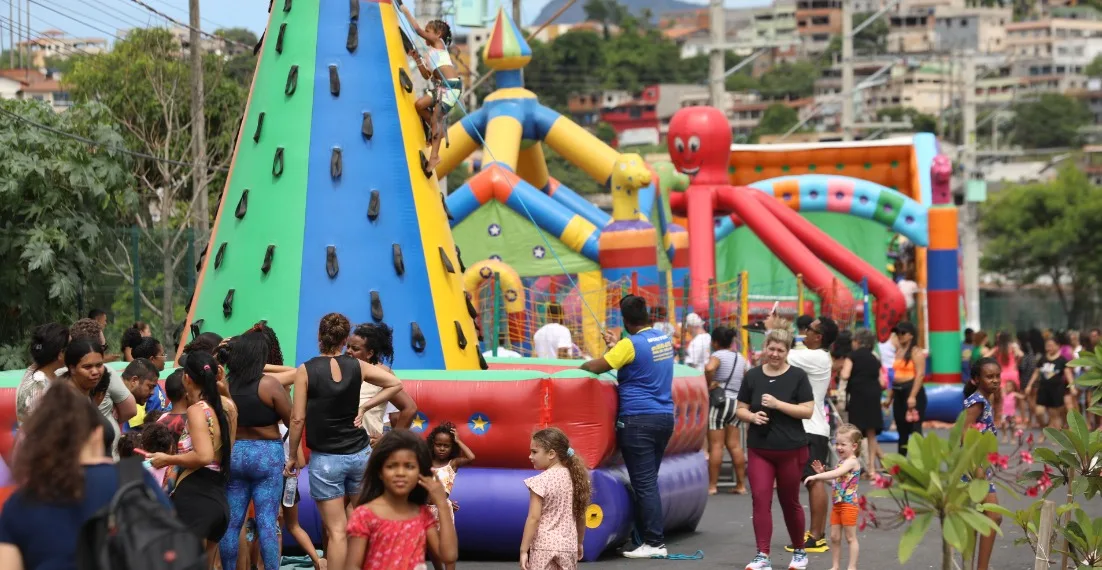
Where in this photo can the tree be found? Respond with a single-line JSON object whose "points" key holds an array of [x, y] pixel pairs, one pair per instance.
{"points": [[605, 132], [1094, 68], [241, 63], [571, 64], [789, 80], [1046, 232], [153, 111], [607, 12], [1052, 121], [872, 39], [920, 122], [569, 175], [56, 194], [636, 58], [776, 120]]}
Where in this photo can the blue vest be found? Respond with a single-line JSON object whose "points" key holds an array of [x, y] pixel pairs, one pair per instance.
{"points": [[646, 383]]}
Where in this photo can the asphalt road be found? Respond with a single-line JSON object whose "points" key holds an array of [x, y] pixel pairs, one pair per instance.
{"points": [[726, 536]]}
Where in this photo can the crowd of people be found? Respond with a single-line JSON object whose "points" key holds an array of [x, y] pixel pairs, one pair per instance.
{"points": [[222, 442]]}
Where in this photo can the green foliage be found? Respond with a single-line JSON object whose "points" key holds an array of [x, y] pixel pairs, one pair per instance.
{"points": [[605, 132], [1091, 379], [928, 484], [569, 175], [241, 63], [1047, 230], [920, 122], [1094, 68], [776, 120], [1075, 466], [55, 195], [1052, 121]]}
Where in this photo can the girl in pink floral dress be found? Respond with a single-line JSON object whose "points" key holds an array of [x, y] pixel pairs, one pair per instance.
{"points": [[391, 524], [555, 528]]}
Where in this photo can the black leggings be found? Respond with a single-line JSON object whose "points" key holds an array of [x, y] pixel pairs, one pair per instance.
{"points": [[899, 411]]}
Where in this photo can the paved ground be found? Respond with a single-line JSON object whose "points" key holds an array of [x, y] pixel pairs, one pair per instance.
{"points": [[727, 538]]}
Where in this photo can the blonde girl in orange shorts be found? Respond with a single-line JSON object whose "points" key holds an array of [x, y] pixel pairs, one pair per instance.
{"points": [[843, 515]]}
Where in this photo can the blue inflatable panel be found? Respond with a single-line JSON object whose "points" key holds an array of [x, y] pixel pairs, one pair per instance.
{"points": [[683, 486], [888, 437], [493, 505], [945, 402]]}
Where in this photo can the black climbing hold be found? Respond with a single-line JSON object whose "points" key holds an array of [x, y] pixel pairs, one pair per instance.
{"points": [[482, 362], [367, 128], [373, 206], [334, 81], [268, 255], [407, 45], [279, 38], [405, 81], [194, 330], [460, 337], [331, 265], [260, 42], [444, 201], [218, 257], [353, 40], [292, 81], [424, 164], [202, 256], [399, 264], [336, 164], [277, 163], [459, 258], [470, 308], [259, 127], [428, 130], [242, 205], [417, 338], [227, 304], [198, 324], [286, 5], [376, 307], [353, 10], [447, 262]]}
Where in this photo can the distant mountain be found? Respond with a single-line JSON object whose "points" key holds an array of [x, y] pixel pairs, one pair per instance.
{"points": [[576, 13]]}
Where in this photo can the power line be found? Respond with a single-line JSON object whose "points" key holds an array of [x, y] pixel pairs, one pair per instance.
{"points": [[185, 10], [97, 144], [70, 51], [130, 19], [183, 25], [85, 23]]}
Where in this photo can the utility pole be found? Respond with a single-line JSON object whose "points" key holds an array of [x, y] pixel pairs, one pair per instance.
{"points": [[19, 33], [11, 34], [717, 24], [516, 14], [847, 70], [969, 240], [198, 129]]}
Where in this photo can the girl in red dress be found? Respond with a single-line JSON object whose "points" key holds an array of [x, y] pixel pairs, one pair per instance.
{"points": [[391, 524]]}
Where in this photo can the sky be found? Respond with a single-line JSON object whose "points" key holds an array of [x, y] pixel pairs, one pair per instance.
{"points": [[103, 18]]}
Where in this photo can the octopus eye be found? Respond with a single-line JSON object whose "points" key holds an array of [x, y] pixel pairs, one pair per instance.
{"points": [[679, 144], [694, 143]]}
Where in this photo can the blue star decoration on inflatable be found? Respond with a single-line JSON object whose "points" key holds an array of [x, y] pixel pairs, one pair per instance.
{"points": [[538, 252], [479, 423], [420, 422], [494, 230]]}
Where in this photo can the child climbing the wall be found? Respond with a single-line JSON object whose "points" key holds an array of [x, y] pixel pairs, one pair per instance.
{"points": [[555, 529], [445, 80]]}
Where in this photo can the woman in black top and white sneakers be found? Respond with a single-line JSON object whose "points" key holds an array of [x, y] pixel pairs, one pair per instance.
{"points": [[326, 402], [724, 371], [773, 401]]}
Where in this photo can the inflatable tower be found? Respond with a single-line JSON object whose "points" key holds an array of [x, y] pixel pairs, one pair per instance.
{"points": [[327, 207]]}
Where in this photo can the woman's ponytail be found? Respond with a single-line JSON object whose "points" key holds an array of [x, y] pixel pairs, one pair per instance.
{"points": [[202, 369]]}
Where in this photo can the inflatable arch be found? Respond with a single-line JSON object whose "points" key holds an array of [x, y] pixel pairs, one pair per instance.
{"points": [[512, 296], [845, 195]]}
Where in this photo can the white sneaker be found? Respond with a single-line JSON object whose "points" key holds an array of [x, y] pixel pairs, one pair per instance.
{"points": [[799, 561], [646, 551], [760, 562]]}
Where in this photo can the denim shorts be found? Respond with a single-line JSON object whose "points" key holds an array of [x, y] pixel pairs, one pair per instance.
{"points": [[334, 476]]}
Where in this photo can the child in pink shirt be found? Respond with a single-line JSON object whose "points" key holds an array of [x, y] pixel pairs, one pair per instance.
{"points": [[555, 528]]}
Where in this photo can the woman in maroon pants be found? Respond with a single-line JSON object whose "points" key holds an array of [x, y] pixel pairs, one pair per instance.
{"points": [[772, 401]]}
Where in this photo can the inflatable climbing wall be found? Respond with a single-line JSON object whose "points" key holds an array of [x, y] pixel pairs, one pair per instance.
{"points": [[327, 207]]}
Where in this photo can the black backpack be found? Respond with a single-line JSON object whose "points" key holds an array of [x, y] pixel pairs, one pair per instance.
{"points": [[136, 532]]}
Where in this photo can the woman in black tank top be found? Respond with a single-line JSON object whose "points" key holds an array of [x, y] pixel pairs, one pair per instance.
{"points": [[326, 404], [256, 470]]}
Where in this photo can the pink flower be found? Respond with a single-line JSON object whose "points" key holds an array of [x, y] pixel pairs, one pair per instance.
{"points": [[862, 503], [895, 470], [862, 524], [1031, 492], [1018, 433], [1000, 461], [908, 514], [1045, 482], [1029, 440], [882, 482], [978, 426], [1026, 456], [1047, 470]]}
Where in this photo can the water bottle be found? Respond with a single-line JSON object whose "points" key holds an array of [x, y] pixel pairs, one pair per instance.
{"points": [[290, 487]]}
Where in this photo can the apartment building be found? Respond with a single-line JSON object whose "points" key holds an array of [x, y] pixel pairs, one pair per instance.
{"points": [[1049, 37], [652, 109], [978, 30], [33, 85], [745, 116], [911, 25], [816, 22], [585, 108], [55, 44]]}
